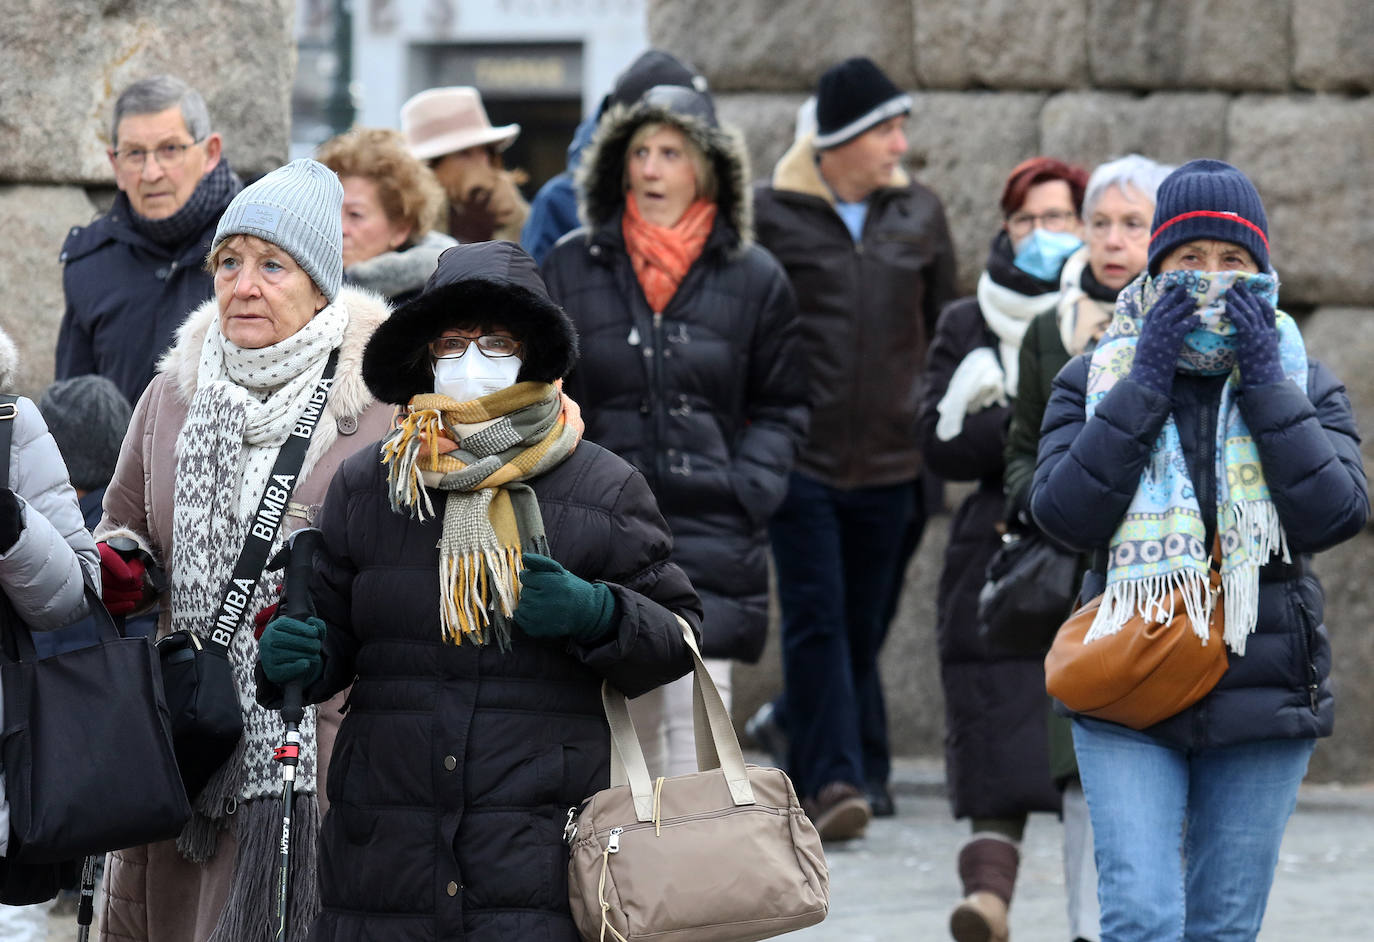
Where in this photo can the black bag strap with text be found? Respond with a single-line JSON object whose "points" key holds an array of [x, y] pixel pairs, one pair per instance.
{"points": [[262, 529]]}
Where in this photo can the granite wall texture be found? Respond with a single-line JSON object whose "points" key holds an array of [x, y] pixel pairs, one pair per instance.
{"points": [[1281, 88]]}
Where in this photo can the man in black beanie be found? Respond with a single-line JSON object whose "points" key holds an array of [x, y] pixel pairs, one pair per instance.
{"points": [[870, 258]]}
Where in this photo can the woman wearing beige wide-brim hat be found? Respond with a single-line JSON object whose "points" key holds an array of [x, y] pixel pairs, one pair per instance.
{"points": [[449, 128]]}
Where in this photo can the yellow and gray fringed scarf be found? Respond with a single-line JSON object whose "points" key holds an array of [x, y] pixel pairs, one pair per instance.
{"points": [[491, 517]]}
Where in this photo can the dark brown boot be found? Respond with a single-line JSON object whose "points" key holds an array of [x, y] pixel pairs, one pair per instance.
{"points": [[987, 869]]}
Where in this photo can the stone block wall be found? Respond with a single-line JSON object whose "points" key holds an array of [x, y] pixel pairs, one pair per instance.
{"points": [[1281, 88], [64, 66]]}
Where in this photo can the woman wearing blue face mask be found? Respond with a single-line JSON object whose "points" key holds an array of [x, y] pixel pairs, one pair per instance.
{"points": [[996, 755], [1200, 416]]}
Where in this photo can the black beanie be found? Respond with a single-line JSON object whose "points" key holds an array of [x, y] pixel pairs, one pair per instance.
{"points": [[88, 417], [1208, 199], [851, 98], [653, 67]]}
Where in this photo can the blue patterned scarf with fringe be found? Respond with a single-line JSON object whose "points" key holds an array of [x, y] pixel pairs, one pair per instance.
{"points": [[1160, 543]]}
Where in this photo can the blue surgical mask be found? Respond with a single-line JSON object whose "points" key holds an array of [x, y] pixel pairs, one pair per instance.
{"points": [[1043, 253]]}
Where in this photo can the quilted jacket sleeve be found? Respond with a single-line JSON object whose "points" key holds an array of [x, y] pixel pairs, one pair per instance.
{"points": [[777, 411], [1309, 449], [646, 649], [1087, 470], [45, 572]]}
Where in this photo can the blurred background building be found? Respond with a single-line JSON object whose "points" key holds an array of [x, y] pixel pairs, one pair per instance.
{"points": [[542, 64]]}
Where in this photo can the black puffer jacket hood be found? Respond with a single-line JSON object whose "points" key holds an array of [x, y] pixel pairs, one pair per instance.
{"points": [[601, 176], [482, 283]]}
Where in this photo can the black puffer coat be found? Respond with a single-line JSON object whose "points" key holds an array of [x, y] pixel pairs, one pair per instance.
{"points": [[708, 397], [996, 738], [456, 765], [1309, 447]]}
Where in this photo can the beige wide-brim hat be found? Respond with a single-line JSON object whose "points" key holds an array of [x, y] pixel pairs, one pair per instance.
{"points": [[441, 121]]}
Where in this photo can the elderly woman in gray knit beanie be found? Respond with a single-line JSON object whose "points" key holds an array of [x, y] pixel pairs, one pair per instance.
{"points": [[200, 460]]}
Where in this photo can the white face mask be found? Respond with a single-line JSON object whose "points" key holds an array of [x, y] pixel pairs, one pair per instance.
{"points": [[472, 375]]}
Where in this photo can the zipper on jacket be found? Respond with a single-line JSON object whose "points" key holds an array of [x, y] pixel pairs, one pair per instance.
{"points": [[1304, 638], [656, 397]]}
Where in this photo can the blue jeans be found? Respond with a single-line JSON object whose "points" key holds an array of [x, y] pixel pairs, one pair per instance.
{"points": [[1186, 841], [835, 552]]}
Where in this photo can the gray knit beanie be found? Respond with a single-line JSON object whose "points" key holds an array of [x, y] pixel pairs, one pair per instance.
{"points": [[299, 208], [88, 416]]}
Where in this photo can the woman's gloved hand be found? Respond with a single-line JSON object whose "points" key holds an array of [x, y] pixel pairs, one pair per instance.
{"points": [[11, 519], [123, 582], [555, 602], [1161, 338], [290, 650], [1257, 337]]}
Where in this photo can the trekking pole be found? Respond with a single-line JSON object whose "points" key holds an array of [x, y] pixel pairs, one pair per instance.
{"points": [[85, 909], [296, 603]]}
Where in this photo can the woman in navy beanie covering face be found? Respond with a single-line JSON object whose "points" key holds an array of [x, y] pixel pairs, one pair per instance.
{"points": [[1199, 433]]}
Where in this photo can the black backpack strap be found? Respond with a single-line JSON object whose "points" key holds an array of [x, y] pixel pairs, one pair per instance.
{"points": [[9, 411]]}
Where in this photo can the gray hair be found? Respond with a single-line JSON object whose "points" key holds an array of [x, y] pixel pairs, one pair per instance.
{"points": [[158, 93], [1140, 172]]}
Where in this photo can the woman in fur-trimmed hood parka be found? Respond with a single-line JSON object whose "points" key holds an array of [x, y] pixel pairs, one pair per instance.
{"points": [[691, 364], [246, 366]]}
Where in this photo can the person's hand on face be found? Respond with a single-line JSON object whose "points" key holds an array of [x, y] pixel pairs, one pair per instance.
{"points": [[1173, 315], [1257, 337], [263, 295]]}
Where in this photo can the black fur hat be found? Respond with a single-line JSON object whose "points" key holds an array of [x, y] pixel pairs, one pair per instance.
{"points": [[476, 284]]}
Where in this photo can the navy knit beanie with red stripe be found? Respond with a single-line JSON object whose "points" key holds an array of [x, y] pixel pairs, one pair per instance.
{"points": [[1208, 199]]}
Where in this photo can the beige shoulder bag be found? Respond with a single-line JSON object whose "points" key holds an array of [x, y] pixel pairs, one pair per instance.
{"points": [[724, 854]]}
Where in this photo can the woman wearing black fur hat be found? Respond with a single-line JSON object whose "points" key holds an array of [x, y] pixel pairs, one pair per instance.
{"points": [[692, 367], [475, 720]]}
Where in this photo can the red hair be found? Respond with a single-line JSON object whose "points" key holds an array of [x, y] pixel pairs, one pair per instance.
{"points": [[1037, 170]]}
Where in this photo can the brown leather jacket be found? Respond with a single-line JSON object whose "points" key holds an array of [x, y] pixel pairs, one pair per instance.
{"points": [[868, 310]]}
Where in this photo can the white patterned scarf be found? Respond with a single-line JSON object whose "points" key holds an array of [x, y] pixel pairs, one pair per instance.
{"points": [[244, 407], [1160, 544]]}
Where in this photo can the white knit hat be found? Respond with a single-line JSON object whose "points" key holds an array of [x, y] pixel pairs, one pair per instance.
{"points": [[298, 207]]}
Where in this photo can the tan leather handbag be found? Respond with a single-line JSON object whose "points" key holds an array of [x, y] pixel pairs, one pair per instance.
{"points": [[1143, 674], [724, 854]]}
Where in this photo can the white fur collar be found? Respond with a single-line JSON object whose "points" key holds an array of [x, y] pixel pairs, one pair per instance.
{"points": [[350, 396], [9, 361]]}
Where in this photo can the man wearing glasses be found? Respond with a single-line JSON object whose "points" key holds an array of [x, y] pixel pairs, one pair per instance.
{"points": [[133, 274]]}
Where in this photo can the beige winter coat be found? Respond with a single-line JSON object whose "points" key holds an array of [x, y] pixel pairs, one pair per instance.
{"points": [[152, 893]]}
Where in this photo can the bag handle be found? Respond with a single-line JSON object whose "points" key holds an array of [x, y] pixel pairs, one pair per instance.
{"points": [[719, 750], [19, 630], [9, 411]]}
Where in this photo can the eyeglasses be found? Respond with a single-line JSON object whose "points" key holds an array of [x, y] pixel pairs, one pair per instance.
{"points": [[1135, 230], [167, 156], [494, 346], [1056, 220]]}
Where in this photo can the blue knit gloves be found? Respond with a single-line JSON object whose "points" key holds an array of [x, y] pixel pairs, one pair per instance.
{"points": [[1161, 337], [290, 650], [554, 602], [1257, 337]]}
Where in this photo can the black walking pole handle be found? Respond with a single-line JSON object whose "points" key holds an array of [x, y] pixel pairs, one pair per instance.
{"points": [[299, 554], [296, 602]]}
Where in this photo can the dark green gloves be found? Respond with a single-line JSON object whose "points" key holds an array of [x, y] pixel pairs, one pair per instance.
{"points": [[554, 602], [290, 650]]}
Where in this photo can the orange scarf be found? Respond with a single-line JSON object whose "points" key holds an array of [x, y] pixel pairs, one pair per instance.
{"points": [[661, 255]]}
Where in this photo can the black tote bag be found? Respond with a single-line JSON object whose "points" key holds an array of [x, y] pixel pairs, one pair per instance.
{"points": [[86, 745], [1030, 589]]}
